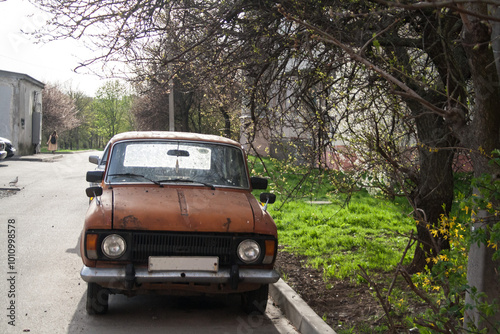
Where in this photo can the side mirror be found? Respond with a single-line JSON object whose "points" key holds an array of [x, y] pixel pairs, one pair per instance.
{"points": [[258, 182], [95, 176], [267, 198], [93, 191], [94, 159]]}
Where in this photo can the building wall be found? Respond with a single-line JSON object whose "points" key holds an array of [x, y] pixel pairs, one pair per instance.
{"points": [[20, 111], [7, 109]]}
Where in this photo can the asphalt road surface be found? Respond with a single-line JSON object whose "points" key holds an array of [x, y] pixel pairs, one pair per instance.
{"points": [[41, 290]]}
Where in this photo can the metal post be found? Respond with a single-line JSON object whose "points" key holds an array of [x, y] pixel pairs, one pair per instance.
{"points": [[171, 114]]}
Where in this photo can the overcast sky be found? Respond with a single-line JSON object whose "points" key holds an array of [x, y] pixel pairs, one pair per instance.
{"points": [[53, 62]]}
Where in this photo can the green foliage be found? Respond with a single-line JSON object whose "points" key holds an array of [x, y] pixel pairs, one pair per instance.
{"points": [[111, 109], [98, 118]]}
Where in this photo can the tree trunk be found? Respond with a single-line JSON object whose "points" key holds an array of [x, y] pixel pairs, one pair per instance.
{"points": [[183, 103], [227, 122], [433, 196]]}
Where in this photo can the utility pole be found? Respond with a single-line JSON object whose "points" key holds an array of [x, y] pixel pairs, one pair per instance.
{"points": [[482, 269], [171, 112]]}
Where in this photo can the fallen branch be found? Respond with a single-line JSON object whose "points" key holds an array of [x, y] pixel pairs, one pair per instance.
{"points": [[385, 304]]}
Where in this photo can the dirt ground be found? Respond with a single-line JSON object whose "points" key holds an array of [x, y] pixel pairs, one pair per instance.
{"points": [[341, 304]]}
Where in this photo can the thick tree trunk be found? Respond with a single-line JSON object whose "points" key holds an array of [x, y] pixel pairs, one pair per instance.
{"points": [[433, 195], [434, 192]]}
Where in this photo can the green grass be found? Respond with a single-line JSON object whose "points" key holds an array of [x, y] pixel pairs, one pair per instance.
{"points": [[367, 232], [340, 236]]}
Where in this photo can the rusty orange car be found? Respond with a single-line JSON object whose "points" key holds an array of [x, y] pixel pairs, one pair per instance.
{"points": [[173, 213]]}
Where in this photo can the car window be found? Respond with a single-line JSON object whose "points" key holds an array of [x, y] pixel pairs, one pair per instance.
{"points": [[104, 158], [177, 161]]}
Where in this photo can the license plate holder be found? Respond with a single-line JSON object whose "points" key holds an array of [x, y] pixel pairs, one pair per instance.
{"points": [[183, 263]]}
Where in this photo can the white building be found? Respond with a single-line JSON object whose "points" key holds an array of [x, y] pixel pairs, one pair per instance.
{"points": [[21, 111]]}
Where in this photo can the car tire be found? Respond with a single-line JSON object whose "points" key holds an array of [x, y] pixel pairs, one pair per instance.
{"points": [[97, 299], [256, 301]]}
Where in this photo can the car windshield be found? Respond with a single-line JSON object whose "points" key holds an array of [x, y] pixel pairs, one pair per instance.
{"points": [[148, 161]]}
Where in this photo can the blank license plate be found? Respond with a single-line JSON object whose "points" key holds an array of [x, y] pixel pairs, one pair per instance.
{"points": [[183, 263]]}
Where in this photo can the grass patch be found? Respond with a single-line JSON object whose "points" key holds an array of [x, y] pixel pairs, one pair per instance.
{"points": [[339, 236], [368, 232]]}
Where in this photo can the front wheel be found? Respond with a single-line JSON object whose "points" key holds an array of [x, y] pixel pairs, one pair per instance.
{"points": [[256, 301], [97, 299]]}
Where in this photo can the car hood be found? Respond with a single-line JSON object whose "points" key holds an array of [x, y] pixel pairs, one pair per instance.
{"points": [[5, 140], [187, 209]]}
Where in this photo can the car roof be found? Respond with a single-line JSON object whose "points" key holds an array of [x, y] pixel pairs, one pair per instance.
{"points": [[172, 135]]}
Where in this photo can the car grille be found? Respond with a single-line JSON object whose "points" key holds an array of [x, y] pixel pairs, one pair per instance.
{"points": [[167, 244]]}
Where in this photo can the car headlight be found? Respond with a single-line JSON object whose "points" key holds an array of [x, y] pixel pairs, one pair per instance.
{"points": [[113, 246], [248, 251]]}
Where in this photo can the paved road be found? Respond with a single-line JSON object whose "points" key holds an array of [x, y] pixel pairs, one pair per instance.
{"points": [[41, 290]]}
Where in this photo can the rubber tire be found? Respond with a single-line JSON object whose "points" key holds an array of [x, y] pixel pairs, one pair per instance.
{"points": [[256, 301], [97, 299]]}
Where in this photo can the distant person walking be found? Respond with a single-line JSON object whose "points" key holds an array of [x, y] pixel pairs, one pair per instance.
{"points": [[52, 142]]}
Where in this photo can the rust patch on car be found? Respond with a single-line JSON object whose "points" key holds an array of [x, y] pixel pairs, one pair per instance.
{"points": [[227, 224], [130, 222], [182, 203]]}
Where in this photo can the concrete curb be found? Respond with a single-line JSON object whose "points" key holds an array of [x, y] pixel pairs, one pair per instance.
{"points": [[38, 157], [297, 311]]}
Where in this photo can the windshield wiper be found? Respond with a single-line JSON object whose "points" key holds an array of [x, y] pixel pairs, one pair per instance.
{"points": [[211, 186], [136, 175]]}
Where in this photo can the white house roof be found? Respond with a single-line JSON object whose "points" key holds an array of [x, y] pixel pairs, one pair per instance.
{"points": [[22, 76]]}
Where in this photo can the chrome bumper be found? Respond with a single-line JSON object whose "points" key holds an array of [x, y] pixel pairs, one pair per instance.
{"points": [[142, 275]]}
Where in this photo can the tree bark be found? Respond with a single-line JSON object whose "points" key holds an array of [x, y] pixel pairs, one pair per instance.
{"points": [[433, 196]]}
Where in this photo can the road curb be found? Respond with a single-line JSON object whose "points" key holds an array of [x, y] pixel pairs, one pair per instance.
{"points": [[38, 157], [297, 311]]}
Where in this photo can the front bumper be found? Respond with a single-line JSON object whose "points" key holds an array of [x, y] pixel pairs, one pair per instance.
{"points": [[142, 275]]}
